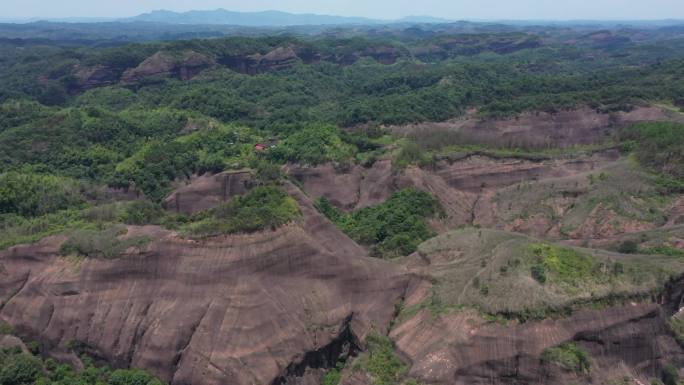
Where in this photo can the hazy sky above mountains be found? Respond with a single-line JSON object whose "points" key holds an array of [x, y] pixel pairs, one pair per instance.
{"points": [[381, 9]]}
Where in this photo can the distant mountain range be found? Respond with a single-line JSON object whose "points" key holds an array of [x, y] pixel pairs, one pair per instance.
{"points": [[225, 17], [251, 19], [247, 19]]}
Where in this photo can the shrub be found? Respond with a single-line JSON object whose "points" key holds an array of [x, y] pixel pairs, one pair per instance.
{"points": [[568, 356], [669, 375], [100, 243], [36, 194], [261, 208], [563, 264], [141, 212], [410, 153], [266, 173], [20, 369], [383, 365], [5, 328], [327, 209], [628, 247], [538, 273], [132, 377], [334, 375], [15, 229]]}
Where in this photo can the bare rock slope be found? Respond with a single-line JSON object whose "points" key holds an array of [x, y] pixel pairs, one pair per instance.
{"points": [[253, 309]]}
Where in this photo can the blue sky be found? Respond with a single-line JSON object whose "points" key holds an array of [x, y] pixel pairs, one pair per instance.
{"points": [[383, 9]]}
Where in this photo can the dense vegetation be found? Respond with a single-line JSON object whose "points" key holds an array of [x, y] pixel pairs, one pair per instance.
{"points": [[17, 368], [145, 134], [33, 194], [393, 228]]}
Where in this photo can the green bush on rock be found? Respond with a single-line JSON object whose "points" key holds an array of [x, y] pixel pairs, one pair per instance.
{"points": [[568, 356], [261, 208]]}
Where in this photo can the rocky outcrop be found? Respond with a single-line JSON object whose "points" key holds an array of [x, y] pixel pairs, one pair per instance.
{"points": [[207, 191], [383, 55], [351, 189], [12, 342], [183, 66], [244, 309], [94, 76], [279, 58], [285, 57], [462, 348], [252, 64], [475, 44]]}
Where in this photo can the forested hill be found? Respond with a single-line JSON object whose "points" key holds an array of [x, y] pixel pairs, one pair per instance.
{"points": [[99, 113], [207, 208]]}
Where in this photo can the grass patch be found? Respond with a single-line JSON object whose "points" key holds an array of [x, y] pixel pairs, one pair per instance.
{"points": [[393, 228], [432, 304], [562, 264], [262, 208], [487, 270], [664, 250], [570, 357]]}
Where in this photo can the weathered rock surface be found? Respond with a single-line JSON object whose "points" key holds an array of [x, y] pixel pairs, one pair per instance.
{"points": [[182, 66], [542, 129], [248, 309], [349, 189], [95, 76], [207, 191], [461, 348]]}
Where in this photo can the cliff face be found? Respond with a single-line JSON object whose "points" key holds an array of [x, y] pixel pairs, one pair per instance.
{"points": [[94, 76], [182, 66], [283, 306], [252, 309]]}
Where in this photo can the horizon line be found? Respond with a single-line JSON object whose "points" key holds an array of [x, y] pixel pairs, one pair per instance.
{"points": [[28, 19]]}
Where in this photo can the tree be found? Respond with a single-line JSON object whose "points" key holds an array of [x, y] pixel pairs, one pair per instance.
{"points": [[20, 369]]}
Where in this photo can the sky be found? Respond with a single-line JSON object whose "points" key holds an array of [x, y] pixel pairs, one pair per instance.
{"points": [[379, 9]]}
